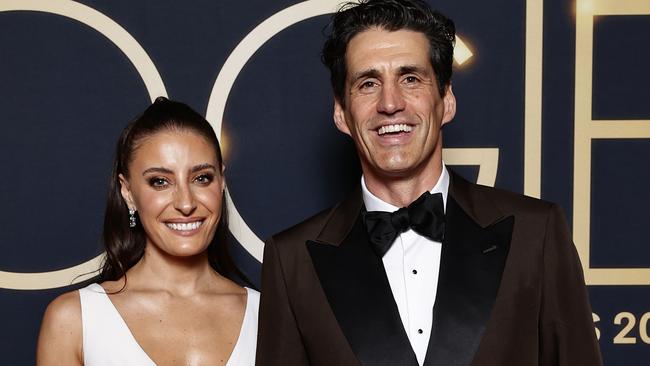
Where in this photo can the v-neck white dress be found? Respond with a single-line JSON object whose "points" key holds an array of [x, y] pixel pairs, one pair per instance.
{"points": [[107, 341]]}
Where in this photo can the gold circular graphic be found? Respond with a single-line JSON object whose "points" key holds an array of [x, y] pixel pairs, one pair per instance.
{"points": [[226, 78], [155, 87]]}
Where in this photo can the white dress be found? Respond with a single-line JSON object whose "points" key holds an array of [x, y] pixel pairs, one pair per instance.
{"points": [[107, 341]]}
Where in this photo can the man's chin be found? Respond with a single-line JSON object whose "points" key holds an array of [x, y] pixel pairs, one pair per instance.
{"points": [[402, 168], [393, 171]]}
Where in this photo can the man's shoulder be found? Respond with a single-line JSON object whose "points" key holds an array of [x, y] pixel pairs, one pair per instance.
{"points": [[307, 229], [513, 199], [328, 226], [506, 201]]}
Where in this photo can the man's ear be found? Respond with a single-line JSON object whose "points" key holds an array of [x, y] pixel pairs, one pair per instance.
{"points": [[449, 104], [126, 193], [339, 117]]}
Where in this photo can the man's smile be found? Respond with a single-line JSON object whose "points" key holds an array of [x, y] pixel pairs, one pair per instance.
{"points": [[394, 129]]}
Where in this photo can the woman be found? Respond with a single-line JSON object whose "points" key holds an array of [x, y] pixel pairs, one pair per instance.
{"points": [[163, 297]]}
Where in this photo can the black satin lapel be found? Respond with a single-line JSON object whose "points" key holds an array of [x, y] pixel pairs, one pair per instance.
{"points": [[356, 286], [471, 266]]}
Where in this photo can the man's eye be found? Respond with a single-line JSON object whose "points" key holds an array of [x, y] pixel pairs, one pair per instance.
{"points": [[410, 79], [158, 182], [204, 179], [367, 84]]}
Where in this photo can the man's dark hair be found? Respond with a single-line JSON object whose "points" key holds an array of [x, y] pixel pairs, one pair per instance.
{"points": [[353, 18]]}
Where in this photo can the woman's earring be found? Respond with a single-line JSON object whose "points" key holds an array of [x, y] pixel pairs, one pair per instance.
{"points": [[131, 217]]}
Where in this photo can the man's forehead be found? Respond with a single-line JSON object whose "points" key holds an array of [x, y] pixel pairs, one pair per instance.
{"points": [[376, 37], [381, 50]]}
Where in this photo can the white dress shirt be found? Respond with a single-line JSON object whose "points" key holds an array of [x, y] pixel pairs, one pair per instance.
{"points": [[412, 265]]}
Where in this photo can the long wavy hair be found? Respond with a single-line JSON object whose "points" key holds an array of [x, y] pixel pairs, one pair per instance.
{"points": [[125, 245]]}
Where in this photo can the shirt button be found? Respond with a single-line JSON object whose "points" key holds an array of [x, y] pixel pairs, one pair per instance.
{"points": [[420, 331], [415, 271]]}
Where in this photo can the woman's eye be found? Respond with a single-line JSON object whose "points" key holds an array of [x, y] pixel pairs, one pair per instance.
{"points": [[204, 179], [158, 182]]}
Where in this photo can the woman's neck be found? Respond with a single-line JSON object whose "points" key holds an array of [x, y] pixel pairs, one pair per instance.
{"points": [[180, 276]]}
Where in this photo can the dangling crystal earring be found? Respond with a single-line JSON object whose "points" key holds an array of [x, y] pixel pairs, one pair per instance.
{"points": [[131, 217]]}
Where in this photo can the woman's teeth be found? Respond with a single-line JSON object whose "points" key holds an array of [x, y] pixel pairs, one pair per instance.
{"points": [[185, 226]]}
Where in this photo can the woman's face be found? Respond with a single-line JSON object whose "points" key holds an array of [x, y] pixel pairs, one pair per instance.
{"points": [[176, 186]]}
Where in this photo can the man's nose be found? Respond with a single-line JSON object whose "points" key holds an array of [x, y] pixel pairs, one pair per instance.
{"points": [[184, 199], [391, 99]]}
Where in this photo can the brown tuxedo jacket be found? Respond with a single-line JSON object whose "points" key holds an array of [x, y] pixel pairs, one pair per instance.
{"points": [[510, 290]]}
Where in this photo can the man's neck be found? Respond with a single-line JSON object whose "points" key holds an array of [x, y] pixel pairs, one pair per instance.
{"points": [[402, 191]]}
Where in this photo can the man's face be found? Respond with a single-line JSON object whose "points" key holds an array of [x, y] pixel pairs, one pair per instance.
{"points": [[393, 110]]}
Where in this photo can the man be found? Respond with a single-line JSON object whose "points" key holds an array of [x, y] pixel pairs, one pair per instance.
{"points": [[464, 275]]}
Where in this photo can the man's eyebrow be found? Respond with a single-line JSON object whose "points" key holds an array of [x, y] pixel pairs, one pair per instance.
{"points": [[368, 73], [409, 69]]}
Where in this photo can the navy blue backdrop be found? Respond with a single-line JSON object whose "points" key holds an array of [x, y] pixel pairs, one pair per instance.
{"points": [[553, 92]]}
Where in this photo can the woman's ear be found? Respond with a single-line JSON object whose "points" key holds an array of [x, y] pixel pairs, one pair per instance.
{"points": [[125, 191]]}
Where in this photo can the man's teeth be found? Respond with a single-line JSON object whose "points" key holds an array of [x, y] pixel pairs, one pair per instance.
{"points": [[394, 128], [185, 226]]}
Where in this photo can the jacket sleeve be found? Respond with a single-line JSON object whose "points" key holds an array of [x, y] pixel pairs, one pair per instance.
{"points": [[567, 333], [279, 340]]}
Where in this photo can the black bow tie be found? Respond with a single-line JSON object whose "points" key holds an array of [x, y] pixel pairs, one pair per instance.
{"points": [[426, 216]]}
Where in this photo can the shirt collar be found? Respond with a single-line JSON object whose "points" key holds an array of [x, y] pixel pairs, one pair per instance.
{"points": [[374, 203]]}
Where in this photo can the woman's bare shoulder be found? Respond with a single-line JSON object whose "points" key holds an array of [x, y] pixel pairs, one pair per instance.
{"points": [[60, 338], [64, 311]]}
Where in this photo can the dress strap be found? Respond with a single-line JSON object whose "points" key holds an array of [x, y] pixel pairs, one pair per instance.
{"points": [[244, 352], [107, 340]]}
